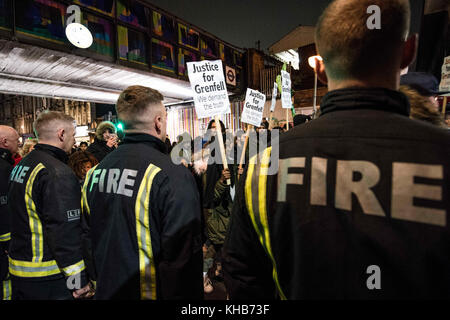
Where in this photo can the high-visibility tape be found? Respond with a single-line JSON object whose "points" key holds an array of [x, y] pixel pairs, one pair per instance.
{"points": [[5, 237], [37, 239], [74, 269], [30, 269], [6, 289], [142, 211], [256, 206], [84, 202]]}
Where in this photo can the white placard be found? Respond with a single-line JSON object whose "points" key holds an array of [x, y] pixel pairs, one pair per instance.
{"points": [[286, 101], [209, 88], [274, 97], [253, 107], [445, 77]]}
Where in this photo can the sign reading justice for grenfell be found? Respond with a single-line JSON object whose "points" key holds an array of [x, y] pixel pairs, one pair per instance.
{"points": [[210, 91], [286, 101], [253, 107]]}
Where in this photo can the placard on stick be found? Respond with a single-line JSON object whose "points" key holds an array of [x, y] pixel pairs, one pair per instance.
{"points": [[210, 95], [253, 107], [209, 88]]}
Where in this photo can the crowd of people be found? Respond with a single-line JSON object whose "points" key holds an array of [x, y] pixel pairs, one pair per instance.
{"points": [[361, 185]]}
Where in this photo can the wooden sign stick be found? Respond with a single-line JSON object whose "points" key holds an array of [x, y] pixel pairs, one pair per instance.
{"points": [[222, 147], [245, 147]]}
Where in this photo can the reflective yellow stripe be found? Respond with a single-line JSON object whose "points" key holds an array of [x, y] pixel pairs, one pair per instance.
{"points": [[6, 289], [146, 262], [5, 237], [258, 214], [37, 239], [28, 269], [84, 202], [74, 269]]}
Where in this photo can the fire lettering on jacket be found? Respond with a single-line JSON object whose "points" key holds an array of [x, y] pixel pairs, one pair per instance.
{"points": [[117, 181], [359, 178]]}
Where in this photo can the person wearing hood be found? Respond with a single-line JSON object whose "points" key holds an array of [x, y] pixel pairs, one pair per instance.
{"points": [[105, 140]]}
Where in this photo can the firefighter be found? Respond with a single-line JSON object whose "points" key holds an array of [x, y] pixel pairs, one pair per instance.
{"points": [[359, 205], [45, 256], [143, 211], [9, 146]]}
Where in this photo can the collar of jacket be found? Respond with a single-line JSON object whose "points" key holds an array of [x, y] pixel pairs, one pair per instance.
{"points": [[5, 154], [365, 98], [53, 151], [146, 138]]}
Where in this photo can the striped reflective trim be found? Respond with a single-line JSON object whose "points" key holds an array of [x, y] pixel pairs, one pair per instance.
{"points": [[84, 202], [5, 237], [257, 207], [27, 269], [37, 239], [6, 290], [142, 211], [74, 269]]}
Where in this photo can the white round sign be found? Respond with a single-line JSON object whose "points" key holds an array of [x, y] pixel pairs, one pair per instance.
{"points": [[79, 35]]}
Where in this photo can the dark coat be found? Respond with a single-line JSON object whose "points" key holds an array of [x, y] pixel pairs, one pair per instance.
{"points": [[143, 210], [99, 149], [361, 187]]}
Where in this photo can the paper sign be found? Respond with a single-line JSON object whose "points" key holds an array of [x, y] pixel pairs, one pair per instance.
{"points": [[274, 97], [445, 77], [286, 101], [209, 88], [253, 107]]}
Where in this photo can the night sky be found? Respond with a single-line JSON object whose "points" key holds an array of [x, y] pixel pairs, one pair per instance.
{"points": [[243, 22]]}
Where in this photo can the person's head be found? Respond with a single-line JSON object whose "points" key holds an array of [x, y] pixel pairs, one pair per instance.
{"points": [[141, 110], [28, 146], [356, 55], [213, 126], [421, 107], [104, 130], [56, 129], [425, 84], [83, 145], [300, 119], [81, 162], [9, 139]]}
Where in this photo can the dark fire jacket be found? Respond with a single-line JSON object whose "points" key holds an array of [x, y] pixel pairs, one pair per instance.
{"points": [[143, 213], [44, 202], [359, 207]]}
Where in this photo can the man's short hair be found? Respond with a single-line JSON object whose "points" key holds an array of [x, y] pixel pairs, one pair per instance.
{"points": [[45, 122], [103, 127], [349, 48], [133, 101]]}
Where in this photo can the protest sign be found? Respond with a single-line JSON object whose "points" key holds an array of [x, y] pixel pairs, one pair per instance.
{"points": [[285, 89], [209, 88], [253, 107]]}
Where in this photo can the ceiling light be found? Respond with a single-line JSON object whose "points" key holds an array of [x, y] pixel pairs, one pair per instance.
{"points": [[79, 35]]}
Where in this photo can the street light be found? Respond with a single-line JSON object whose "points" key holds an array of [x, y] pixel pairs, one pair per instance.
{"points": [[312, 64]]}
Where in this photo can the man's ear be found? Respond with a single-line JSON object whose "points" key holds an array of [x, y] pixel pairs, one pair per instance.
{"points": [[158, 124], [409, 50], [320, 69], [61, 133]]}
